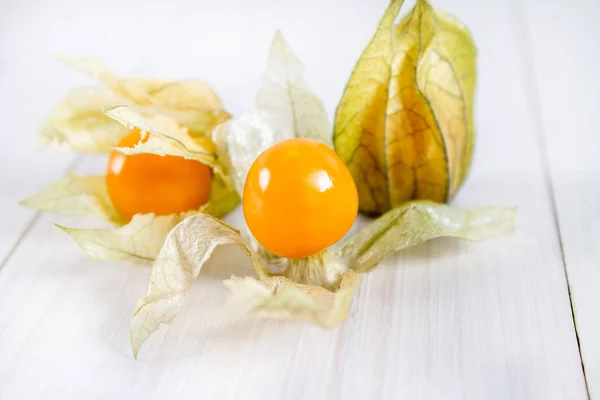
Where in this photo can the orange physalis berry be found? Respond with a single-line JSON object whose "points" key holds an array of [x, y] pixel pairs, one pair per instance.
{"points": [[299, 198], [148, 183]]}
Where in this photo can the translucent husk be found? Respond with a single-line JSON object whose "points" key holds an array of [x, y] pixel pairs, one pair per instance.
{"points": [[78, 122], [318, 289], [141, 238], [404, 126], [186, 119]]}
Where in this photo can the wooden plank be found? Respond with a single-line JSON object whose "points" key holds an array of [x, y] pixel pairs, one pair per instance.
{"points": [[31, 82], [563, 70], [446, 320], [25, 98]]}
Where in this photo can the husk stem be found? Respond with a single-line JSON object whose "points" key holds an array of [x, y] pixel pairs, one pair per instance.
{"points": [[321, 269]]}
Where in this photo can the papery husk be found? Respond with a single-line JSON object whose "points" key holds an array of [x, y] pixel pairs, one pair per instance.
{"points": [[404, 126], [163, 137], [138, 240], [283, 298], [76, 195], [78, 124], [285, 108], [186, 251], [318, 289], [418, 221]]}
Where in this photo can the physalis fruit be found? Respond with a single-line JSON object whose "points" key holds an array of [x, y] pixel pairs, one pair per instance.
{"points": [[299, 198], [149, 183]]}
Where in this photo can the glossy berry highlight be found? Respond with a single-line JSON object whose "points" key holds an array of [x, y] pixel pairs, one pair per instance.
{"points": [[148, 183], [299, 198]]}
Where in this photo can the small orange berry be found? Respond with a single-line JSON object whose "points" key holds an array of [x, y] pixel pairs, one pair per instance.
{"points": [[299, 198], [148, 183]]}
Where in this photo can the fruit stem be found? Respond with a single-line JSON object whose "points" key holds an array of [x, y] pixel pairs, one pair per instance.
{"points": [[317, 270]]}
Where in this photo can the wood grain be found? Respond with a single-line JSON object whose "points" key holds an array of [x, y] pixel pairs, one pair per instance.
{"points": [[563, 74], [445, 320], [24, 169], [32, 82]]}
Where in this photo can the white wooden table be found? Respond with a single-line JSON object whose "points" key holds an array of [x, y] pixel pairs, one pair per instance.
{"points": [[507, 319]]}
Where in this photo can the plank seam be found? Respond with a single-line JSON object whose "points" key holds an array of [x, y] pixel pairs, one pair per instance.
{"points": [[79, 157], [72, 165], [533, 102]]}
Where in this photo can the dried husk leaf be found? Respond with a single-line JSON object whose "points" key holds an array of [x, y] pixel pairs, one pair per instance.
{"points": [[280, 297], [166, 136], [102, 73], [241, 139], [180, 94], [200, 123], [174, 94], [404, 125], [77, 123], [87, 196], [81, 196], [285, 108], [187, 249], [318, 289], [417, 221], [192, 104], [138, 241], [141, 239], [286, 94]]}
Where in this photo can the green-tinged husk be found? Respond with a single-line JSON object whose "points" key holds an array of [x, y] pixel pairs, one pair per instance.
{"points": [[140, 239], [404, 126], [318, 289], [78, 123]]}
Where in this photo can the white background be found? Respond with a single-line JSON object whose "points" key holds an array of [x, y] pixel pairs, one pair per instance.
{"points": [[446, 320]]}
